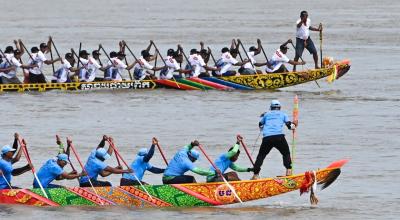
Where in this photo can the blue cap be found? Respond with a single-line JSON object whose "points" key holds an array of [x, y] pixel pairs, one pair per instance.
{"points": [[63, 157], [275, 103], [6, 148], [195, 154], [102, 153], [142, 152]]}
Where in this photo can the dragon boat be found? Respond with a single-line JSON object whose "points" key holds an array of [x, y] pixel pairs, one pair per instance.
{"points": [[242, 82], [175, 195]]}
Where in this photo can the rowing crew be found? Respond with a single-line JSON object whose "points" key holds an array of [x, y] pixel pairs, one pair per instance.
{"points": [[85, 67]]}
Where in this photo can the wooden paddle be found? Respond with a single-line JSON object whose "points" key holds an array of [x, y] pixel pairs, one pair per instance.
{"points": [[83, 168], [265, 55], [79, 51], [212, 56], [240, 139], [161, 151], [51, 56], [22, 143], [220, 174], [30, 56], [320, 42], [303, 61], [295, 120], [248, 57], [126, 61]]}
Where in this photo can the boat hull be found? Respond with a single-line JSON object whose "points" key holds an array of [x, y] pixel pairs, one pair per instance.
{"points": [[175, 195]]}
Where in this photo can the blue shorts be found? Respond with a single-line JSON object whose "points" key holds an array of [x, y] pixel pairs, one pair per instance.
{"points": [[300, 47]]}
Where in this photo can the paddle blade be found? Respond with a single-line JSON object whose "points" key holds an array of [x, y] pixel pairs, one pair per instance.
{"points": [[338, 164], [329, 179]]}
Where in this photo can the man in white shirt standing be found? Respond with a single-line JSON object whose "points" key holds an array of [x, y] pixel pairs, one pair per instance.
{"points": [[303, 40], [279, 58]]}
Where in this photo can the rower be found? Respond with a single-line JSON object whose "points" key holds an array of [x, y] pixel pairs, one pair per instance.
{"points": [[13, 59], [53, 170], [199, 66], [227, 160], [142, 68], [172, 66], [62, 74], [119, 66], [6, 164], [39, 58], [140, 165], [95, 165], [277, 62], [226, 62], [88, 74], [248, 68], [110, 70], [271, 124], [182, 162]]}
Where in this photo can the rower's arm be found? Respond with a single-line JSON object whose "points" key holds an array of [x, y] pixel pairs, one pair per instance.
{"points": [[17, 156], [234, 150], [238, 168], [69, 176], [202, 172], [260, 64], [48, 62], [109, 170], [258, 50], [21, 170], [148, 48], [150, 154], [158, 68], [129, 67], [102, 142], [49, 46]]}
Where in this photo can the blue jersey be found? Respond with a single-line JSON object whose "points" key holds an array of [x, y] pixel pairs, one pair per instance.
{"points": [[139, 166], [179, 164], [6, 168], [273, 122], [93, 167], [47, 173], [222, 163]]}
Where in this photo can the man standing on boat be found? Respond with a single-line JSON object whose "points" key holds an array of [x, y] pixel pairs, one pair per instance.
{"points": [[53, 170], [227, 160], [39, 58], [303, 40], [182, 162], [277, 62], [95, 165], [140, 165], [6, 164], [271, 124]]}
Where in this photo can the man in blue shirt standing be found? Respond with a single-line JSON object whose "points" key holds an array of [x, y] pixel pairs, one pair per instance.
{"points": [[95, 165], [7, 160], [140, 165], [53, 170], [227, 160], [182, 162], [271, 124]]}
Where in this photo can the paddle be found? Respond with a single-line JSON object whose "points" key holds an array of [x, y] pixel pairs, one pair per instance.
{"points": [[99, 57], [303, 61], [164, 62], [55, 48], [295, 120], [51, 56], [66, 152], [8, 183], [219, 173], [255, 142], [79, 51], [265, 55], [320, 42], [117, 154], [126, 61], [240, 138], [130, 51], [212, 56], [161, 152], [248, 57], [83, 168], [22, 143]]}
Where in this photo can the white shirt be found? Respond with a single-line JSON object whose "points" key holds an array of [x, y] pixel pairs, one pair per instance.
{"points": [[92, 68], [119, 67], [228, 61], [197, 63], [252, 60], [62, 74], [143, 64], [278, 58], [38, 58], [14, 62], [172, 65], [303, 32]]}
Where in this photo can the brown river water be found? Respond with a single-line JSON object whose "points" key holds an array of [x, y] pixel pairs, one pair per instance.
{"points": [[356, 117]]}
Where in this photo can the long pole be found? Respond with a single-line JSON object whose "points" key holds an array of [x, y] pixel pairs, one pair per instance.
{"points": [[28, 158], [87, 174], [126, 61], [162, 153], [79, 51], [295, 119], [212, 56], [303, 61], [164, 62], [240, 42], [55, 48], [320, 42], [220, 174], [126, 164], [265, 55], [246, 149], [51, 57]]}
